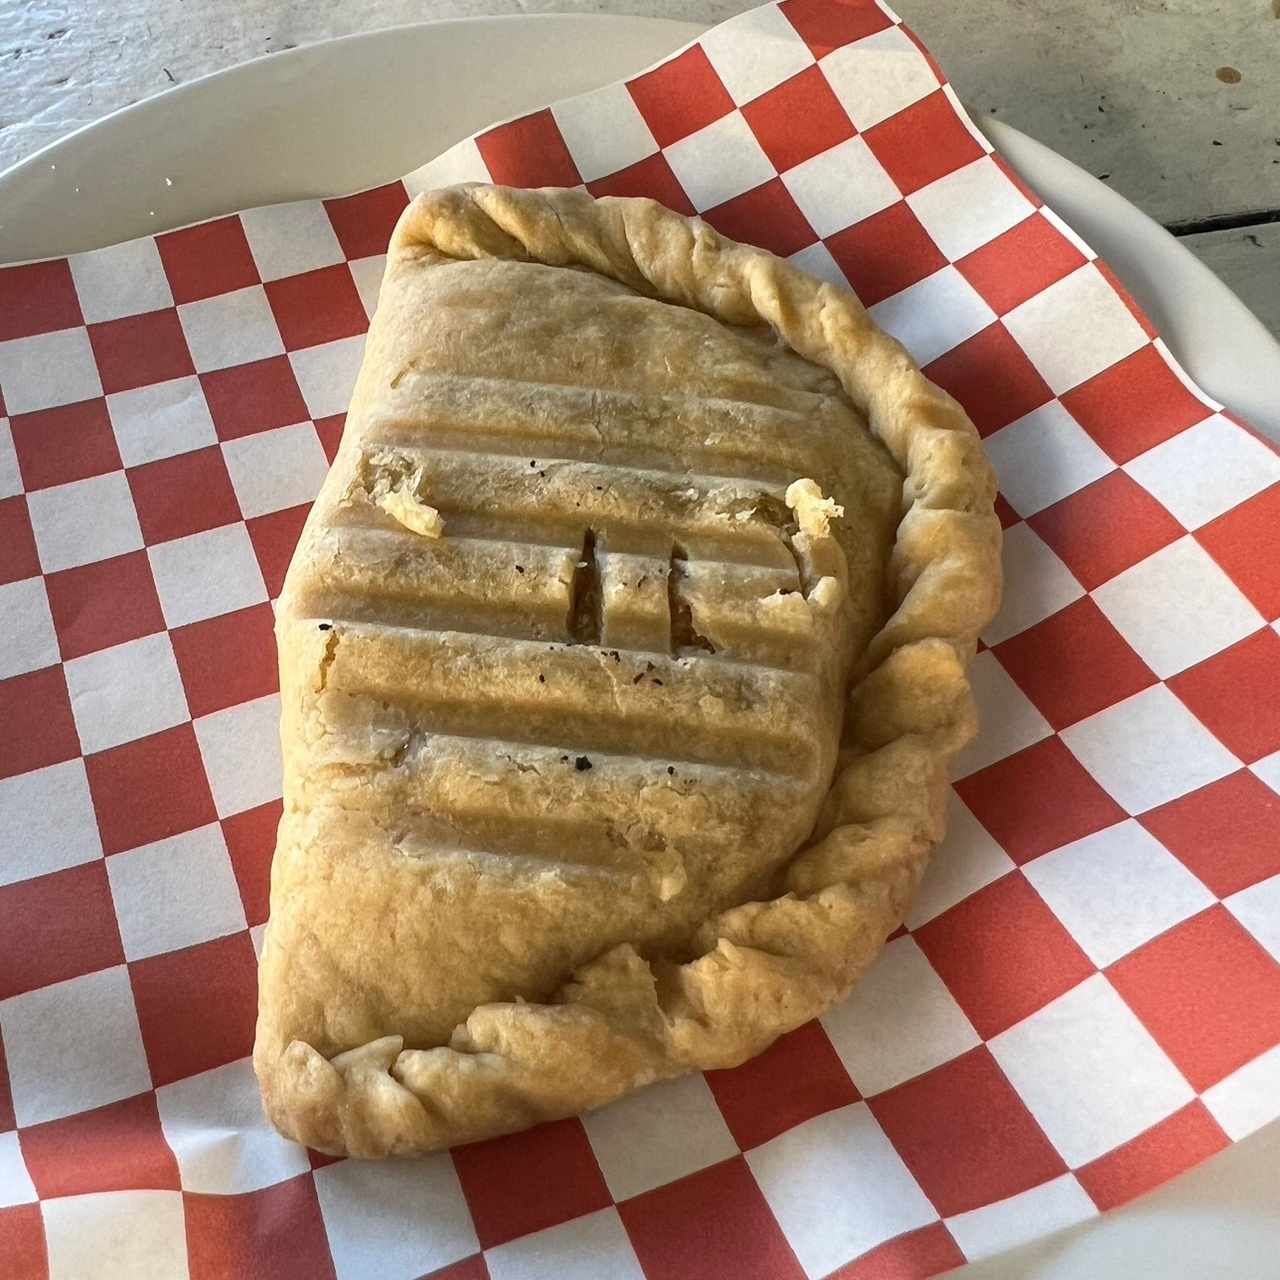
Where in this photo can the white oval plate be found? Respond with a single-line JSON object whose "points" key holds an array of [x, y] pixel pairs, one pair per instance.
{"points": [[358, 111]]}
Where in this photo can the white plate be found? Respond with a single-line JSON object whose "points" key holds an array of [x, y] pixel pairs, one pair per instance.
{"points": [[355, 112]]}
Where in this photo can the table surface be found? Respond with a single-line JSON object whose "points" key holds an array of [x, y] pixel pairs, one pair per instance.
{"points": [[1175, 103]]}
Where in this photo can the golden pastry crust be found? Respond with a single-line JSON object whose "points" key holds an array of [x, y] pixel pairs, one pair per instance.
{"points": [[622, 657]]}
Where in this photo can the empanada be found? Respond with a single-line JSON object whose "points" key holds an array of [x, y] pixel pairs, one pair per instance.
{"points": [[621, 659]]}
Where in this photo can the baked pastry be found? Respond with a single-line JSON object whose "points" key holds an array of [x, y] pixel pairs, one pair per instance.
{"points": [[621, 659]]}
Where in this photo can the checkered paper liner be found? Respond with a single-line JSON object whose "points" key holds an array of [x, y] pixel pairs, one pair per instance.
{"points": [[1086, 997]]}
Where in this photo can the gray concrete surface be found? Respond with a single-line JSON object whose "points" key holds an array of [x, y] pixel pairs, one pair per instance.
{"points": [[1175, 103]]}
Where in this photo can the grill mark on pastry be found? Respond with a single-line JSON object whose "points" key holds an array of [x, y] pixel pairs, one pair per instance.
{"points": [[586, 605]]}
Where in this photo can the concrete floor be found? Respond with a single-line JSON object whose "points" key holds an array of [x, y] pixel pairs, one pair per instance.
{"points": [[1175, 103]]}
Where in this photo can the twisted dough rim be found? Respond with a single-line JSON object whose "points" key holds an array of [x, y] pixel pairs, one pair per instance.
{"points": [[764, 967]]}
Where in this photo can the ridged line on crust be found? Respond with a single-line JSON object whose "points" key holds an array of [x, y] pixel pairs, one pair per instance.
{"points": [[762, 968]]}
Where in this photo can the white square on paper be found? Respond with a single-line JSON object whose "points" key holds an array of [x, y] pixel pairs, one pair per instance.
{"points": [[1268, 769], [1043, 457], [84, 521], [394, 1217], [592, 1247], [719, 162], [840, 186], [47, 822], [878, 76], [241, 751], [1008, 717], [287, 239], [1148, 749], [126, 692], [1177, 607], [86, 1030], [1258, 909], [10, 476], [1030, 1215], [1248, 1098], [969, 207], [900, 1021], [206, 574], [838, 1188], [219, 1136], [816, 259], [1206, 470], [755, 51], [1116, 889], [604, 131], [326, 374], [367, 273], [461, 163], [1089, 1071], [967, 860], [27, 638], [48, 369], [934, 315], [1075, 328], [160, 420], [657, 1135], [121, 280], [230, 328], [1036, 584], [271, 470], [116, 1235], [15, 1181], [175, 893]]}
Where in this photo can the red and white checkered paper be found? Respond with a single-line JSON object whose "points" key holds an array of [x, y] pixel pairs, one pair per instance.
{"points": [[1086, 999]]}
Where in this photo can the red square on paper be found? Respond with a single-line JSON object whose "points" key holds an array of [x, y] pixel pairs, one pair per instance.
{"points": [[798, 1077], [274, 537], [149, 789], [1234, 695], [247, 398], [1106, 527], [680, 97], [529, 152], [1162, 1152], [317, 306], [531, 1180], [1242, 541], [106, 603], [206, 260], [37, 298], [1008, 517], [273, 1234], [472, 1268], [228, 659], [7, 1120], [119, 1147], [1074, 663], [922, 143], [329, 430], [798, 119], [883, 254], [1038, 799], [651, 177], [825, 26], [38, 726], [22, 1233], [1225, 832], [363, 223], [992, 377], [18, 558], [184, 494], [1207, 992], [68, 443], [965, 1134], [714, 1224], [139, 350], [251, 841], [766, 217], [57, 927], [1003, 954], [926, 1252], [1135, 404], [1022, 262], [197, 1006]]}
